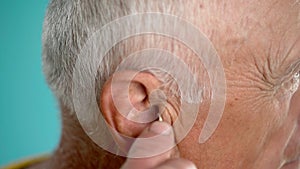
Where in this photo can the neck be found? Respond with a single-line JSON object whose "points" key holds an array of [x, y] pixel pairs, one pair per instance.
{"points": [[77, 150]]}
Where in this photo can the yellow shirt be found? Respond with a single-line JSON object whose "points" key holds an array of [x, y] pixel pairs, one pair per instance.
{"points": [[27, 162]]}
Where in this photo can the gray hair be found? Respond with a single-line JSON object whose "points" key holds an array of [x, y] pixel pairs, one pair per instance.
{"points": [[69, 24]]}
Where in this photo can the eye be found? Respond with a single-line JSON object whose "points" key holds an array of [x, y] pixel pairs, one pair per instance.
{"points": [[295, 82], [297, 75]]}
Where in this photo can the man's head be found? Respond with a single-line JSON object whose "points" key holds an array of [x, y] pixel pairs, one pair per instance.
{"points": [[258, 44]]}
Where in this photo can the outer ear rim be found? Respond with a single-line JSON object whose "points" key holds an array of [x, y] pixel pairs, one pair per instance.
{"points": [[112, 115]]}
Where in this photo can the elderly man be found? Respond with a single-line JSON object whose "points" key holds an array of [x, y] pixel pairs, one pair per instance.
{"points": [[256, 42]]}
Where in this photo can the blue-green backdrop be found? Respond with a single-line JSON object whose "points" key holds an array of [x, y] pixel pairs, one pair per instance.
{"points": [[29, 116]]}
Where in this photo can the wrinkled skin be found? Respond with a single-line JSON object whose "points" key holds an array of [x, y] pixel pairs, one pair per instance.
{"points": [[259, 45], [260, 124]]}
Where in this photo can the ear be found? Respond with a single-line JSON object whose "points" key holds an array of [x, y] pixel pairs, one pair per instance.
{"points": [[125, 102]]}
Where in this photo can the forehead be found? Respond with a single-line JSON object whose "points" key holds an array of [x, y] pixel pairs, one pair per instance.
{"points": [[280, 26], [260, 32]]}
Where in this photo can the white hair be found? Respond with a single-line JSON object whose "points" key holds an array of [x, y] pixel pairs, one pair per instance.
{"points": [[69, 24]]}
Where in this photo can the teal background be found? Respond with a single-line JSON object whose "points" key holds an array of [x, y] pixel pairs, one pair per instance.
{"points": [[29, 116]]}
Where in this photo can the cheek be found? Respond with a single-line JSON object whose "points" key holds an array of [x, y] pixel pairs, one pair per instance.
{"points": [[240, 135], [249, 121]]}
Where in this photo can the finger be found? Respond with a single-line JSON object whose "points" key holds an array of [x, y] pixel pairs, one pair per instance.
{"points": [[153, 147], [177, 163]]}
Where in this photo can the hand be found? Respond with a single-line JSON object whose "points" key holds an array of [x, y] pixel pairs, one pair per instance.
{"points": [[161, 161]]}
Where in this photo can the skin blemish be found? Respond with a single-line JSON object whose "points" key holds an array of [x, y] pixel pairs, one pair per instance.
{"points": [[201, 6]]}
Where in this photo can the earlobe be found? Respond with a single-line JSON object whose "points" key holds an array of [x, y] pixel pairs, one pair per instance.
{"points": [[125, 101]]}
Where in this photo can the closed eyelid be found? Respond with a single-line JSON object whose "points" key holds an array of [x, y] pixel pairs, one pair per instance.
{"points": [[290, 80], [291, 70]]}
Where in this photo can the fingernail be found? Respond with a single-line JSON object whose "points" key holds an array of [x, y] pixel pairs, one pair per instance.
{"points": [[161, 128]]}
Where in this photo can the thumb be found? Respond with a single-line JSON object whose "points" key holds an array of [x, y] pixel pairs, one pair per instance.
{"points": [[153, 147]]}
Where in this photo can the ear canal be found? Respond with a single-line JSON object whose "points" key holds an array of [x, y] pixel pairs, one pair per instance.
{"points": [[125, 102]]}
